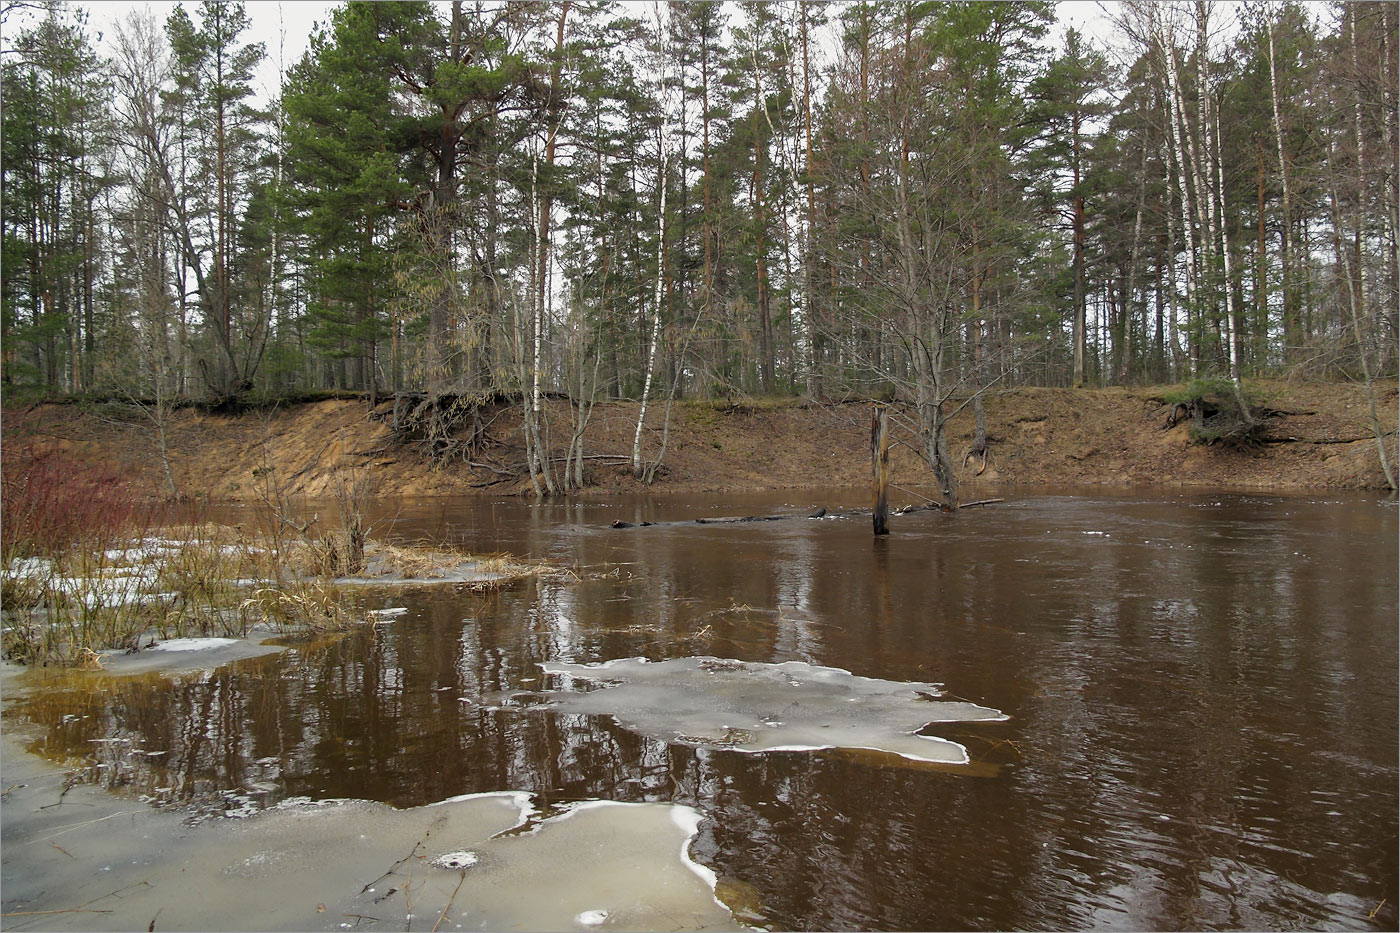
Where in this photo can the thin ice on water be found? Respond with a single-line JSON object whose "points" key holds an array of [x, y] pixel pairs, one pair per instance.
{"points": [[753, 707]]}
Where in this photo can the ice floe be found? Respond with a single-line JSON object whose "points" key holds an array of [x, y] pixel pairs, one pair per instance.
{"points": [[755, 707], [184, 655], [308, 866]]}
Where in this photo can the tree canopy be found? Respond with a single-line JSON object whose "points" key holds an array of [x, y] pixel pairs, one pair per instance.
{"points": [[914, 200]]}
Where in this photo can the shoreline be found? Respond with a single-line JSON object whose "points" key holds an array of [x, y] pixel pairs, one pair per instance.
{"points": [[1111, 438]]}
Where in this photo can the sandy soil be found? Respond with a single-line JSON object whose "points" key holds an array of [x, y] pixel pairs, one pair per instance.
{"points": [[1113, 437]]}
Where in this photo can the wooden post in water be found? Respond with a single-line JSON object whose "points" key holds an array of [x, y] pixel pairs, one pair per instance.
{"points": [[880, 467]]}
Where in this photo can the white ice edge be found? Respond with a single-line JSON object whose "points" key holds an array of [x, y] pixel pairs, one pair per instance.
{"points": [[578, 806], [685, 817], [999, 717], [558, 667], [554, 667], [688, 819], [521, 798], [308, 803], [962, 749], [193, 644]]}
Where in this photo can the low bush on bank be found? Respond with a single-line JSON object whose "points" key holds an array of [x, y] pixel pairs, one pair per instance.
{"points": [[53, 504], [88, 565]]}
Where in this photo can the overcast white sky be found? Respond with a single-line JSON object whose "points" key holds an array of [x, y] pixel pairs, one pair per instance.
{"points": [[285, 26], [284, 23]]}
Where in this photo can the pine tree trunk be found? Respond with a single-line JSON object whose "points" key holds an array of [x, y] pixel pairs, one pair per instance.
{"points": [[814, 355], [1080, 324], [765, 317]]}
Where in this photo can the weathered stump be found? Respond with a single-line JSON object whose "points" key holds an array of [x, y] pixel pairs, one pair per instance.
{"points": [[880, 468]]}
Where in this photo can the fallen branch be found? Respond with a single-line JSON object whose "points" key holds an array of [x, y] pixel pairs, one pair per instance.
{"points": [[416, 846], [66, 910], [73, 826], [1320, 440], [494, 469], [617, 458], [448, 906], [979, 503], [492, 482], [81, 908]]}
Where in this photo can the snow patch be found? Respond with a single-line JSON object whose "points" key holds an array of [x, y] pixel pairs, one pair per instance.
{"points": [[456, 861], [193, 644]]}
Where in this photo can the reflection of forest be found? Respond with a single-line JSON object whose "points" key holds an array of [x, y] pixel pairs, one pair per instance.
{"points": [[1202, 694]]}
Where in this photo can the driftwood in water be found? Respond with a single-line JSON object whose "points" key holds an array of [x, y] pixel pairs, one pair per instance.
{"points": [[880, 468], [819, 513], [940, 507], [729, 520]]}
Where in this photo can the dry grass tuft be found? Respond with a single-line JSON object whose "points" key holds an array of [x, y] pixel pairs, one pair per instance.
{"points": [[307, 606], [414, 562], [208, 579]]}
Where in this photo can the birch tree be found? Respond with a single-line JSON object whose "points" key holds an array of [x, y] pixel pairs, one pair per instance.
{"points": [[662, 144]]}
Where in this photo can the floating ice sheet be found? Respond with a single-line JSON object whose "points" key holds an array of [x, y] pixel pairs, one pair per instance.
{"points": [[179, 655], [354, 865], [750, 707]]}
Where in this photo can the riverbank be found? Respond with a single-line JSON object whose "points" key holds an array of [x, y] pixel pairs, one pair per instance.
{"points": [[1109, 437]]}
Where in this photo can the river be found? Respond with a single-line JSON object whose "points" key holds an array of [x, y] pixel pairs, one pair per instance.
{"points": [[1200, 692]]}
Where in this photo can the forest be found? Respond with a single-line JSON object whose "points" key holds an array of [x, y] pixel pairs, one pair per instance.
{"points": [[917, 201]]}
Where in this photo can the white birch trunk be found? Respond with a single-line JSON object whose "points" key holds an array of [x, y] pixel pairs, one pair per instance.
{"points": [[1208, 152], [531, 426], [1390, 215], [1176, 118], [1231, 332], [1130, 284], [1287, 224], [637, 465], [1173, 299]]}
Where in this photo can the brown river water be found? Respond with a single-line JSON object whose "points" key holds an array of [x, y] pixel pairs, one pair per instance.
{"points": [[1201, 692]]}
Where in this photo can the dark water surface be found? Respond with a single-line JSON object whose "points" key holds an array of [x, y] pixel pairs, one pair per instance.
{"points": [[1202, 692]]}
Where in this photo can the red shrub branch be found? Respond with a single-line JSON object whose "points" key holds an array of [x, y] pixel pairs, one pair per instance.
{"points": [[52, 502]]}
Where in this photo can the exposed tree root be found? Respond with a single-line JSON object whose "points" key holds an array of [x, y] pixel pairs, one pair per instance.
{"points": [[444, 426]]}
